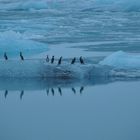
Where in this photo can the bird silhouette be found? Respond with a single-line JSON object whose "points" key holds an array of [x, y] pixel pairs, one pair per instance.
{"points": [[5, 56], [21, 56], [60, 91], [47, 91], [47, 58], [52, 91], [81, 60], [60, 60], [74, 91], [73, 60], [21, 94], [81, 89], [6, 93], [52, 60]]}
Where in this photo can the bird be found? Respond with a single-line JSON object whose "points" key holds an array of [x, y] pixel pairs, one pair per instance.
{"points": [[47, 58], [81, 60], [47, 91], [60, 60], [73, 60], [52, 60], [5, 56], [21, 94], [52, 91], [60, 91], [6, 93], [81, 89], [21, 56], [74, 91]]}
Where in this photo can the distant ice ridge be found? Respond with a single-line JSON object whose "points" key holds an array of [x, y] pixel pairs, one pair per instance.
{"points": [[97, 5], [122, 60], [119, 5], [23, 5], [13, 42]]}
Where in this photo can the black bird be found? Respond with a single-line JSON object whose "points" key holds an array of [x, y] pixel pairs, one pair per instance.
{"points": [[21, 94], [52, 60], [21, 56], [81, 89], [47, 92], [60, 91], [60, 60], [73, 60], [74, 91], [47, 58], [6, 93], [81, 60], [52, 91], [5, 56]]}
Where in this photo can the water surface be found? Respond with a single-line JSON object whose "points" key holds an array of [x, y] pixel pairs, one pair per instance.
{"points": [[100, 108]]}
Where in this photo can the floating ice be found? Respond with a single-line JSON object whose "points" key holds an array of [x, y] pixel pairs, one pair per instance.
{"points": [[116, 5], [24, 5], [14, 42], [99, 5], [122, 60], [39, 68]]}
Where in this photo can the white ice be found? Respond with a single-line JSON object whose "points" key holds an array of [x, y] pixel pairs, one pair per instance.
{"points": [[23, 5], [117, 5], [13, 42], [122, 60]]}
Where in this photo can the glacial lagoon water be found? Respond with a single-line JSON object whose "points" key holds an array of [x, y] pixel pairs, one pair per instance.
{"points": [[70, 111], [104, 106]]}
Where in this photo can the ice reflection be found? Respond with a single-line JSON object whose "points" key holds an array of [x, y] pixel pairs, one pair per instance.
{"points": [[51, 87]]}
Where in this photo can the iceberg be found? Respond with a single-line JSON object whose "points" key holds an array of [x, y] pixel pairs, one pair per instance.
{"points": [[23, 5], [31, 68], [13, 42], [119, 5], [39, 68], [122, 60], [99, 5]]}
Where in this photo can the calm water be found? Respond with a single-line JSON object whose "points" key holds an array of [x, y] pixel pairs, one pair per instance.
{"points": [[98, 108], [104, 111]]}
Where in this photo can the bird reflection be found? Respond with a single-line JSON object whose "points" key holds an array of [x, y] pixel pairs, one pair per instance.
{"points": [[60, 91], [74, 91], [21, 94], [81, 60], [52, 60], [81, 90], [6, 93], [52, 91], [21, 56], [73, 60], [47, 91], [5, 56], [60, 60], [47, 58]]}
